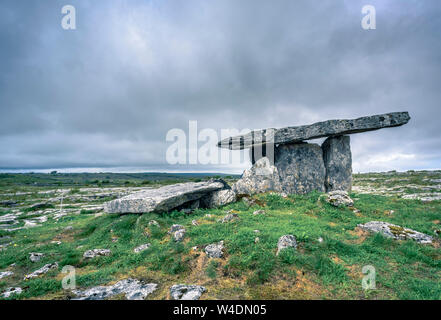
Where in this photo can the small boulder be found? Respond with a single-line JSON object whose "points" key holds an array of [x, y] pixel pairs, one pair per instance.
{"points": [[142, 248], [154, 223], [132, 288], [258, 212], [218, 198], [229, 217], [36, 256], [286, 241], [214, 250], [186, 292], [339, 198], [195, 223]]}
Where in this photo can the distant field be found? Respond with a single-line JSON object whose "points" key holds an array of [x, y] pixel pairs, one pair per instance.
{"points": [[332, 251]]}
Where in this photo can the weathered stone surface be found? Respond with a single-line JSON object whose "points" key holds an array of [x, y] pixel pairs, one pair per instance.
{"points": [[163, 199], [36, 256], [337, 158], [300, 167], [214, 250], [132, 288], [317, 130], [219, 198], [154, 223], [90, 254], [261, 177], [393, 231], [11, 291], [142, 248], [339, 198], [46, 268], [286, 241], [186, 292], [258, 212]]}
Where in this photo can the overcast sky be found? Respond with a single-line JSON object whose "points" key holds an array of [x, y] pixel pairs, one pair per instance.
{"points": [[106, 94]]}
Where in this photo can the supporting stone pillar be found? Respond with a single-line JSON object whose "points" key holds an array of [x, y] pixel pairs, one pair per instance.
{"points": [[338, 162], [300, 167]]}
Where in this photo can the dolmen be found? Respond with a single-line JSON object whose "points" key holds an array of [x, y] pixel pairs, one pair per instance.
{"points": [[282, 161]]}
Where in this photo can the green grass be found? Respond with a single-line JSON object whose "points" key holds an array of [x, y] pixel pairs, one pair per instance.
{"points": [[330, 269]]}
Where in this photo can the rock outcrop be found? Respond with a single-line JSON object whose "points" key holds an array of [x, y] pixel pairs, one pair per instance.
{"points": [[286, 241], [338, 163], [214, 250], [132, 289], [339, 199], [90, 254], [186, 292], [396, 232]]}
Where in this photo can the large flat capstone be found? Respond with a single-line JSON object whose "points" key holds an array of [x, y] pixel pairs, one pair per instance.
{"points": [[163, 199], [313, 131]]}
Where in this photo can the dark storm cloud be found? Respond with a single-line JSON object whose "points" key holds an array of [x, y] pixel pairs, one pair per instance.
{"points": [[107, 93]]}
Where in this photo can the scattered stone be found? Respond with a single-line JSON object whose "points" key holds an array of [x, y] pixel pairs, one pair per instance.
{"points": [[36, 256], [154, 223], [195, 223], [163, 199], [256, 231], [6, 274], [396, 232], [257, 212], [339, 198], [12, 291], [229, 217], [256, 240], [178, 232], [132, 288], [286, 241], [214, 250], [208, 215], [68, 228], [89, 254], [218, 198], [142, 248], [317, 130], [46, 268], [186, 292], [8, 203], [320, 240], [338, 163], [261, 177], [56, 242]]}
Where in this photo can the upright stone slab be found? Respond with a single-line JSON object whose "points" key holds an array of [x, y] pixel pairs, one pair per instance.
{"points": [[301, 167], [338, 163]]}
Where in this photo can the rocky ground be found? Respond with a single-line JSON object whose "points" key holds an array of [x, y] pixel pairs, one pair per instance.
{"points": [[267, 247]]}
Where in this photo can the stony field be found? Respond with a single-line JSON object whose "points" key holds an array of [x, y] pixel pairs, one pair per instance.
{"points": [[51, 221]]}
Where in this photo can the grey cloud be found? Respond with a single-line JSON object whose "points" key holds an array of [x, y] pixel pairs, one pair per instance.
{"points": [[107, 93]]}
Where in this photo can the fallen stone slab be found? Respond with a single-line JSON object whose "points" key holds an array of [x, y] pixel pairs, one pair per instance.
{"points": [[396, 232], [12, 291], [286, 241], [214, 250], [90, 254], [132, 288], [313, 131], [186, 292], [163, 199], [45, 269]]}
